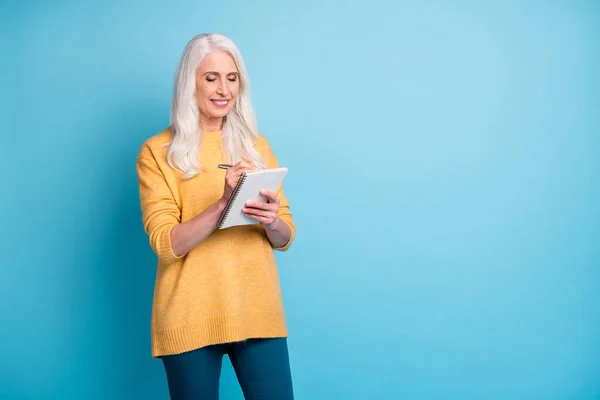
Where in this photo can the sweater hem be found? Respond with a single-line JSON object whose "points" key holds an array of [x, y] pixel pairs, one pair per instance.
{"points": [[217, 330]]}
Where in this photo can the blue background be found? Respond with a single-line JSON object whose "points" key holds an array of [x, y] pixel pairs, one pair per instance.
{"points": [[444, 177]]}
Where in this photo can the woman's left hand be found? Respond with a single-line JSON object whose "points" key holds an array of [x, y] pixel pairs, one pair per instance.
{"points": [[264, 212]]}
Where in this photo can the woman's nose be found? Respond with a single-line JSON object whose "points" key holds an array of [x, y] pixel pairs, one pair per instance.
{"points": [[222, 88]]}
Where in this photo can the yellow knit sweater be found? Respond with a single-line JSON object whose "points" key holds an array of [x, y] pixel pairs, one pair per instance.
{"points": [[225, 289]]}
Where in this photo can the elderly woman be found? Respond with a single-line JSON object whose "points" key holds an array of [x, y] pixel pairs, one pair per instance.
{"points": [[217, 290]]}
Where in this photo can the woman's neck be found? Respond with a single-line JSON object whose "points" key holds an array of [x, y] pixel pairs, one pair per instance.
{"points": [[211, 124]]}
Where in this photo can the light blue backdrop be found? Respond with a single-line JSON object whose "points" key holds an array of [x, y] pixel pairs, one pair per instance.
{"points": [[444, 177]]}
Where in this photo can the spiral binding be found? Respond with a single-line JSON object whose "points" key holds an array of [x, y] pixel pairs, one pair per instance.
{"points": [[234, 194]]}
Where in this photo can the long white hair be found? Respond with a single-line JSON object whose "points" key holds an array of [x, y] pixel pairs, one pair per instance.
{"points": [[239, 132]]}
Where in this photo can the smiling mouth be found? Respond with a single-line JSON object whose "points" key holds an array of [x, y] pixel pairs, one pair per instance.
{"points": [[220, 102]]}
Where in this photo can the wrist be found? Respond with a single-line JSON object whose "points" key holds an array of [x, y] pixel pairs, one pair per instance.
{"points": [[273, 225], [220, 204]]}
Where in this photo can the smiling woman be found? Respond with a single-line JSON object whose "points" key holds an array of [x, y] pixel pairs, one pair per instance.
{"points": [[210, 300], [217, 87]]}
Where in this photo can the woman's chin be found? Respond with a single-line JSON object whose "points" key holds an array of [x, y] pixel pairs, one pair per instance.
{"points": [[217, 112]]}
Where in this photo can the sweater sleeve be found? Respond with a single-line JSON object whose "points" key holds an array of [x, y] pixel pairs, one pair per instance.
{"points": [[284, 205], [160, 212]]}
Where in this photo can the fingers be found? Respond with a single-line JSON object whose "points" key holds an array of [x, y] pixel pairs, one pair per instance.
{"points": [[271, 203], [264, 212], [240, 167], [271, 197], [261, 205], [266, 217], [233, 174], [232, 177], [258, 212]]}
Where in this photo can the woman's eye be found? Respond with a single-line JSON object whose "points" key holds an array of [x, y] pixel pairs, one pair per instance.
{"points": [[211, 79], [232, 79]]}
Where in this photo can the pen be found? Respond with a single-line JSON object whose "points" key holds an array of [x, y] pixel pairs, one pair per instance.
{"points": [[225, 166]]}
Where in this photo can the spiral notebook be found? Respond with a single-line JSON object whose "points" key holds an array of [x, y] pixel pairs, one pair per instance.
{"points": [[248, 188]]}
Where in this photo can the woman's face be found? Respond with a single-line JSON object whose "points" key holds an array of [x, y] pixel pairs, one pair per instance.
{"points": [[217, 85]]}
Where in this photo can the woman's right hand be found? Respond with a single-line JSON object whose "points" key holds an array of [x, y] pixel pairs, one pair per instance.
{"points": [[232, 177]]}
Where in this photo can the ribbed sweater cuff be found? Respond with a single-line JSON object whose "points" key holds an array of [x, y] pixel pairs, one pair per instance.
{"points": [[286, 246], [164, 247]]}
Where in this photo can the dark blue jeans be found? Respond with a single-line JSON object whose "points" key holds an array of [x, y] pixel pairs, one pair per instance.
{"points": [[261, 365]]}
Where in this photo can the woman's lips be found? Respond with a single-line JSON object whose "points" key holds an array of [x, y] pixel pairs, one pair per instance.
{"points": [[220, 102]]}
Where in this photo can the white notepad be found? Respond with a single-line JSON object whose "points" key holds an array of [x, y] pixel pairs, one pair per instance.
{"points": [[248, 188]]}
